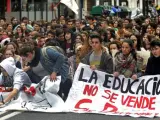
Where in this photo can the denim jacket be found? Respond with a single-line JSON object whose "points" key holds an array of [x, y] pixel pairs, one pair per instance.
{"points": [[55, 62]]}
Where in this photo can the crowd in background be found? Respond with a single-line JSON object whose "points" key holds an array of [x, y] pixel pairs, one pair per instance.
{"points": [[129, 47]]}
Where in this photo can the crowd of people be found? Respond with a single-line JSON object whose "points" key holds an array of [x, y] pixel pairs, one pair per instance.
{"points": [[129, 47]]}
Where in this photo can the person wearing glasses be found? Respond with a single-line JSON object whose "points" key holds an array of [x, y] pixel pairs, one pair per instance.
{"points": [[98, 58], [12, 77]]}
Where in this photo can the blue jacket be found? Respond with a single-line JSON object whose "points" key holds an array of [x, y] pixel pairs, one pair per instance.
{"points": [[55, 62]]}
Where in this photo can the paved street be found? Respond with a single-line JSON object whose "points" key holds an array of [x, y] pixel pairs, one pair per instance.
{"points": [[16, 115]]}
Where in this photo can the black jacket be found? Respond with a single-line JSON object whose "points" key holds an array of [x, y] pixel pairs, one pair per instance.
{"points": [[106, 64], [153, 66]]}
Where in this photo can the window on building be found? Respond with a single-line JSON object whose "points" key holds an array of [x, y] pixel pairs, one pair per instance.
{"points": [[124, 3], [52, 4], [105, 2], [15, 6], [2, 8], [30, 6]]}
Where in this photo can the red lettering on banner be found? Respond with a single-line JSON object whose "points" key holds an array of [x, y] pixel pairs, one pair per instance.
{"points": [[145, 100], [83, 101], [148, 113], [143, 114], [124, 101], [152, 102], [131, 101], [156, 114], [90, 90], [108, 92], [139, 102], [111, 96], [128, 113], [109, 108]]}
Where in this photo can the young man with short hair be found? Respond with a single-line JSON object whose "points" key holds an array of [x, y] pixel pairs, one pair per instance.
{"points": [[98, 59], [153, 65]]}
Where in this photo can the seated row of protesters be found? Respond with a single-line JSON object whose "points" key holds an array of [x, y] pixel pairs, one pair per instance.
{"points": [[113, 45], [98, 59], [126, 62]]}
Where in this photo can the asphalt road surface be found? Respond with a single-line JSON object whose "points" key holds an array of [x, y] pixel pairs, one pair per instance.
{"points": [[18, 115]]}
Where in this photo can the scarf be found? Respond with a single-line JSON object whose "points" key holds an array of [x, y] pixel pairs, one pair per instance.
{"points": [[125, 65]]}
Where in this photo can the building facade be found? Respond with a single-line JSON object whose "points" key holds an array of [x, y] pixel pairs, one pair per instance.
{"points": [[33, 9], [130, 3], [46, 10], [87, 4], [36, 9]]}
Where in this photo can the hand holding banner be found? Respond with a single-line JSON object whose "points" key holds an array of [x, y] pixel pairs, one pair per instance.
{"points": [[94, 91], [38, 97], [99, 92]]}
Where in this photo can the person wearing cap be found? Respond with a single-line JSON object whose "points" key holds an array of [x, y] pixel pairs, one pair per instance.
{"points": [[12, 77], [153, 65], [126, 61]]}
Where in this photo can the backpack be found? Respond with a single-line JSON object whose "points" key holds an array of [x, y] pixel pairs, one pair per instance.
{"points": [[61, 51], [56, 48]]}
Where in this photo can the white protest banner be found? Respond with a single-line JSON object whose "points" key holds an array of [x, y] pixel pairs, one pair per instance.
{"points": [[99, 92], [71, 4], [39, 97], [93, 92]]}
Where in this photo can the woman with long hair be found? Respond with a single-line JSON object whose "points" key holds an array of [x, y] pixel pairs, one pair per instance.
{"points": [[126, 61], [13, 47], [11, 53], [84, 49], [78, 39]]}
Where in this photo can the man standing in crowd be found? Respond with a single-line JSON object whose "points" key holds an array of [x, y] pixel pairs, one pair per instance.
{"points": [[38, 28], [90, 27], [71, 26], [60, 38], [98, 59], [78, 26]]}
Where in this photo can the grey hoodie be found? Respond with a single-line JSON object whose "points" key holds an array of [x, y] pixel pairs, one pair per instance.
{"points": [[20, 78]]}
